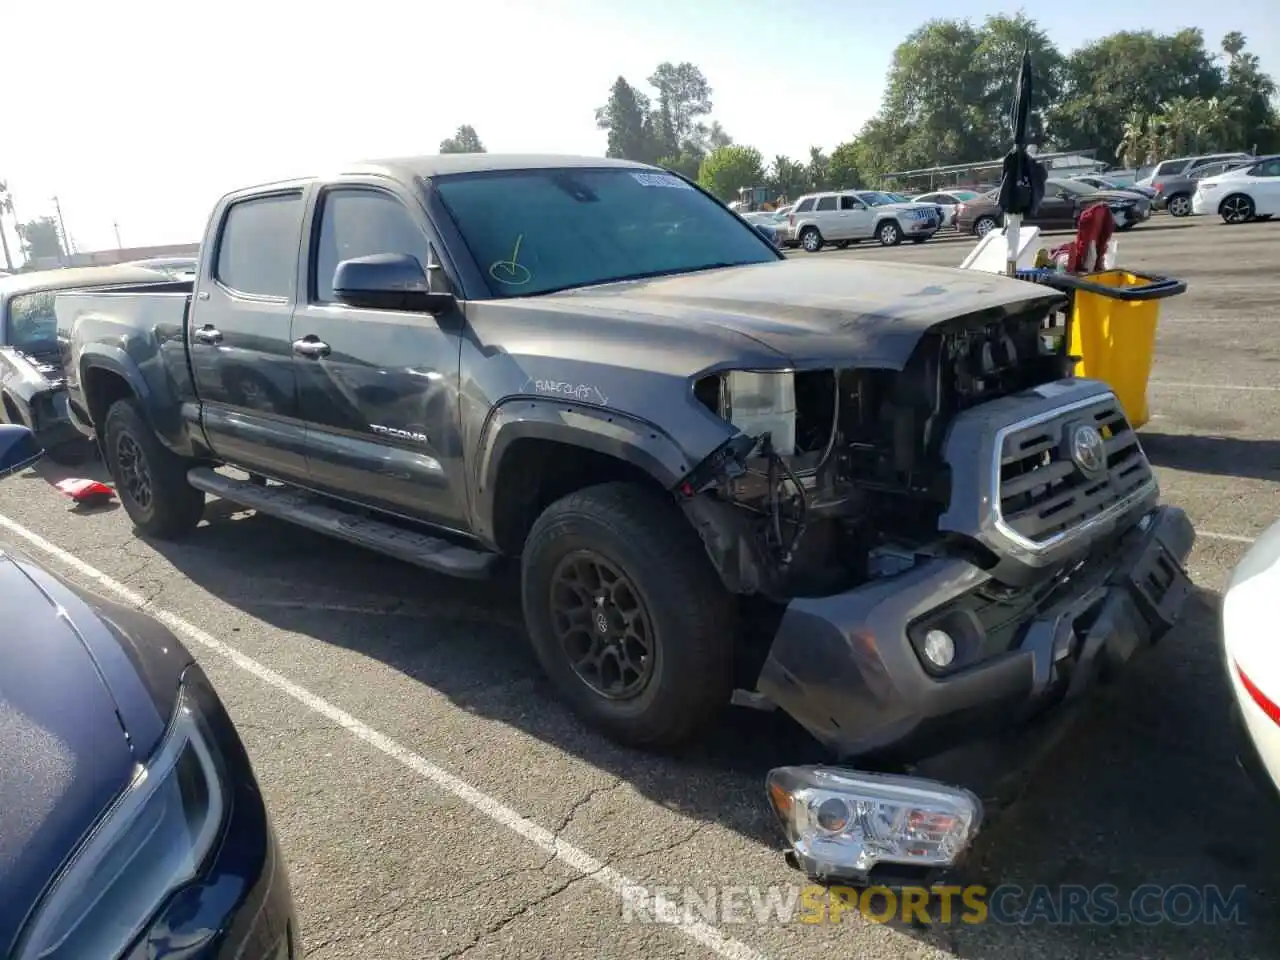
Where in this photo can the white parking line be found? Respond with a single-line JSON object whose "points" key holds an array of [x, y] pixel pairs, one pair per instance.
{"points": [[1233, 537], [1176, 385], [585, 864]]}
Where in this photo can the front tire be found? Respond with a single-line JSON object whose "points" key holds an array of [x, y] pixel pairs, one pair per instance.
{"points": [[627, 616], [889, 233], [150, 479]]}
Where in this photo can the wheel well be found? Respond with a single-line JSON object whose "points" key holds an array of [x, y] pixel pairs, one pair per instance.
{"points": [[887, 219], [102, 388], [535, 473]]}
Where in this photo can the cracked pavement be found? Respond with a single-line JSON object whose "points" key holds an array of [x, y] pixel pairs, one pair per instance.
{"points": [[385, 865]]}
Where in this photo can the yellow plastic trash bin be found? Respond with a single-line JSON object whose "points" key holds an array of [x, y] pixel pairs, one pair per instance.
{"points": [[1114, 316]]}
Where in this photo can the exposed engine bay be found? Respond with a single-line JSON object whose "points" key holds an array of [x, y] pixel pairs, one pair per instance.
{"points": [[838, 474]]}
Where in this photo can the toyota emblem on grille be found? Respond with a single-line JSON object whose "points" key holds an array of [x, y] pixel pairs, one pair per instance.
{"points": [[1088, 449]]}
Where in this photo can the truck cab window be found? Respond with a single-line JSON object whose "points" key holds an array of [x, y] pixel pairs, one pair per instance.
{"points": [[258, 248], [360, 223]]}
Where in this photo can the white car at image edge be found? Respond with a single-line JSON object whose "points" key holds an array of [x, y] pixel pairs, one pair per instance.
{"points": [[1246, 193], [1251, 651]]}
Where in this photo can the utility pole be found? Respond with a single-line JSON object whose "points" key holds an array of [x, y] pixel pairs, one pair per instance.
{"points": [[66, 238], [116, 226]]}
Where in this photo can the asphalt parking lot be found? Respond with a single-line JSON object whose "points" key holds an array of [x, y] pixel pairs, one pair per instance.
{"points": [[435, 800]]}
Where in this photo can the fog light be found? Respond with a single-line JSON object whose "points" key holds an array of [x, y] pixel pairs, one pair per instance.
{"points": [[842, 823], [939, 648]]}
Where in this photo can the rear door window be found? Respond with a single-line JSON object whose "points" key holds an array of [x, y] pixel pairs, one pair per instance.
{"points": [[1171, 167], [804, 206], [258, 247], [825, 204]]}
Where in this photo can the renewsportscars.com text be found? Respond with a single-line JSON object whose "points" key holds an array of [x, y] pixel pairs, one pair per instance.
{"points": [[1066, 904]]}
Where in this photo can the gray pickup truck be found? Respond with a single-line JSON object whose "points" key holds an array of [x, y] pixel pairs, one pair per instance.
{"points": [[595, 367]]}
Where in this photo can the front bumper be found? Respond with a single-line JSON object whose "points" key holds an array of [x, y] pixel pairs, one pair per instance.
{"points": [[846, 669]]}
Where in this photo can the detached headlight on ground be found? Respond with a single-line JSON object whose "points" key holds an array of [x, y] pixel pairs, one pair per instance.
{"points": [[152, 841], [842, 823]]}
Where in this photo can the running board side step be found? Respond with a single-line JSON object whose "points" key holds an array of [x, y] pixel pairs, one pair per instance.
{"points": [[320, 516]]}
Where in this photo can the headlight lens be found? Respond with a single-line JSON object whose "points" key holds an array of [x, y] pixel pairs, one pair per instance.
{"points": [[152, 841], [842, 823], [760, 402]]}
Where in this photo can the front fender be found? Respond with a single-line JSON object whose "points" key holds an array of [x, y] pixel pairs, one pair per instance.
{"points": [[148, 381], [599, 429]]}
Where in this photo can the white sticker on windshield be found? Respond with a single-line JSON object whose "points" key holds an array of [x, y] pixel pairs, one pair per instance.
{"points": [[660, 180]]}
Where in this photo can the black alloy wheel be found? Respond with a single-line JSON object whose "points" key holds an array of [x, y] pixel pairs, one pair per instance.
{"points": [[602, 625]]}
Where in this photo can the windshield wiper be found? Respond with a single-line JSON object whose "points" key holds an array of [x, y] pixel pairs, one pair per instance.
{"points": [[647, 275]]}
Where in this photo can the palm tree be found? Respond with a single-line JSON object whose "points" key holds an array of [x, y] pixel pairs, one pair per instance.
{"points": [[1131, 150], [6, 206]]}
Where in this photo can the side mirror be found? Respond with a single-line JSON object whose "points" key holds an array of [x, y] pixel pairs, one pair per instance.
{"points": [[388, 281], [18, 449]]}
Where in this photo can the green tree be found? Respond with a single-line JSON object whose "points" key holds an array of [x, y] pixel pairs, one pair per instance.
{"points": [[727, 170], [626, 117], [817, 170], [1255, 93], [684, 98], [464, 141], [1001, 42], [40, 239], [842, 168], [1106, 81], [1132, 151], [787, 178]]}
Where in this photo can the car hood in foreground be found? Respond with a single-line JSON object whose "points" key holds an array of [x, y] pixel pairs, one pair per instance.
{"points": [[1113, 195], [70, 688], [812, 311]]}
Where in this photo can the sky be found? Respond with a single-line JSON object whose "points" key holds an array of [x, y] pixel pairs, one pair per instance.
{"points": [[137, 116]]}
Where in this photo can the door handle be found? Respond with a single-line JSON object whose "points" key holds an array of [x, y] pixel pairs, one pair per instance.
{"points": [[311, 347], [209, 334]]}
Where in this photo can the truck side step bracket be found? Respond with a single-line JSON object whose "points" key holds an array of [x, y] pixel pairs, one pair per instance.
{"points": [[314, 513]]}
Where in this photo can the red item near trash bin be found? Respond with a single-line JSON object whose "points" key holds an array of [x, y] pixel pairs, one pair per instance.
{"points": [[85, 491], [1092, 236]]}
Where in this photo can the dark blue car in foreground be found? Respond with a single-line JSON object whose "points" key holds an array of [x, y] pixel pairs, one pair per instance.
{"points": [[131, 823]]}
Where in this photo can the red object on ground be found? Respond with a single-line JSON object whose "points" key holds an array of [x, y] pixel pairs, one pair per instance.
{"points": [[82, 491], [1092, 236]]}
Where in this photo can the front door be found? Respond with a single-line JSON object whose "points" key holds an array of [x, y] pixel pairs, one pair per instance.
{"points": [[239, 335], [378, 388]]}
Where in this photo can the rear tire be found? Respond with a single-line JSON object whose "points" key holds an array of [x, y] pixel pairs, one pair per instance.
{"points": [[811, 240], [150, 479], [983, 225], [1236, 209], [1179, 205], [657, 567]]}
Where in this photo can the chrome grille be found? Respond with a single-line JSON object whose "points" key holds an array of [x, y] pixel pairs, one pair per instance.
{"points": [[1044, 493]]}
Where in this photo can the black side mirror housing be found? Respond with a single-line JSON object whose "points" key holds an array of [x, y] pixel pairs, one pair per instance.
{"points": [[18, 448], [388, 281]]}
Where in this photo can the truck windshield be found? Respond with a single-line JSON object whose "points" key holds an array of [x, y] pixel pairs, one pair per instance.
{"points": [[539, 231], [32, 326]]}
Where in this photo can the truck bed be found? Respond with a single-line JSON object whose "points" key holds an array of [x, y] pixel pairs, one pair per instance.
{"points": [[139, 330]]}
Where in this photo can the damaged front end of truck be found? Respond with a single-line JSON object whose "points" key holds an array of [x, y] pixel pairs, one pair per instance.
{"points": [[957, 545]]}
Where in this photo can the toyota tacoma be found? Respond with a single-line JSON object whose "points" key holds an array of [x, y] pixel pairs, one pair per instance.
{"points": [[869, 494]]}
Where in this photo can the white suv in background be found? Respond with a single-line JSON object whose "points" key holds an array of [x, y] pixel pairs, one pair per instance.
{"points": [[843, 217]]}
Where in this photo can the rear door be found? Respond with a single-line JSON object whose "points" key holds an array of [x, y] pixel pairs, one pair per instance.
{"points": [[826, 214], [238, 330], [380, 398]]}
